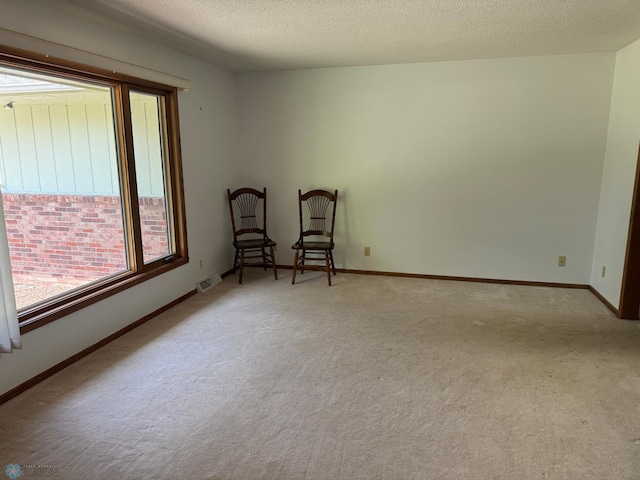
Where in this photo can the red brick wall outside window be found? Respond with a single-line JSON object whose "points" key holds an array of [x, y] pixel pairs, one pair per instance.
{"points": [[75, 239]]}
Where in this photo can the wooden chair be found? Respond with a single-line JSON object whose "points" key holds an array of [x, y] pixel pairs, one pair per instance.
{"points": [[319, 204], [253, 245]]}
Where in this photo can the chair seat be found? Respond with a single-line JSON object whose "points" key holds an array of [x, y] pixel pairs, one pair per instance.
{"points": [[312, 246], [255, 243]]}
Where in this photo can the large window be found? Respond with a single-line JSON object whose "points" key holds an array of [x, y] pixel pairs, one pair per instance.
{"points": [[91, 183]]}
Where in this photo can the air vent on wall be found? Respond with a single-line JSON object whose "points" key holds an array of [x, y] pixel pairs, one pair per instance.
{"points": [[209, 282]]}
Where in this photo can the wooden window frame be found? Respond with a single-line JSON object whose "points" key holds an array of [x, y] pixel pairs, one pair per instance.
{"points": [[49, 310]]}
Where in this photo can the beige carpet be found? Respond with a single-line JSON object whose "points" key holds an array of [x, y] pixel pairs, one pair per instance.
{"points": [[373, 378]]}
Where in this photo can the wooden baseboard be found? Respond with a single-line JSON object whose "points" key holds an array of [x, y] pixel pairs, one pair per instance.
{"points": [[74, 358], [606, 302], [227, 273], [321, 268], [444, 277]]}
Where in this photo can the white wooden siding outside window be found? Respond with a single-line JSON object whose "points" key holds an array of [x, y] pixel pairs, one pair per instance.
{"points": [[64, 145]]}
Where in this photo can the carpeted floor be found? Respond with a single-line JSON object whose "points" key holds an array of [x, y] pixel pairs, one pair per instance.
{"points": [[373, 378]]}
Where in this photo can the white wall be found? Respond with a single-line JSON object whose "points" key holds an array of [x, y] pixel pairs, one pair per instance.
{"points": [[207, 134], [618, 175], [487, 168]]}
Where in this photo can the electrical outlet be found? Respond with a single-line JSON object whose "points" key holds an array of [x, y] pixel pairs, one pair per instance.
{"points": [[200, 264], [604, 271], [562, 261], [367, 251]]}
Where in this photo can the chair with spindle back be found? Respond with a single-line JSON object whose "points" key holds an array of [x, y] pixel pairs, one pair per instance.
{"points": [[319, 216], [250, 239]]}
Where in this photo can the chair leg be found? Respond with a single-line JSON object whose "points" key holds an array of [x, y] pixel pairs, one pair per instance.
{"points": [[333, 265], [302, 259], [235, 262], [326, 261], [273, 263], [264, 258], [241, 267], [295, 268]]}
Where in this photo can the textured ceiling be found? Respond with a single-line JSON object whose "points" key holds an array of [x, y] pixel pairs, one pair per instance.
{"points": [[246, 35]]}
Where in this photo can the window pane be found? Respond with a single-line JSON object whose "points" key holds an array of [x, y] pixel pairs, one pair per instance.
{"points": [[149, 148], [60, 184]]}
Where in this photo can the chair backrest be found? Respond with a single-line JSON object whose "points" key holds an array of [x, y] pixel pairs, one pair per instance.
{"points": [[244, 205], [319, 216]]}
